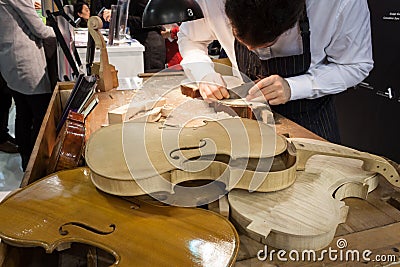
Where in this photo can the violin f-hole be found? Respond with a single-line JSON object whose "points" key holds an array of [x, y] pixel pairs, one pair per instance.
{"points": [[203, 143], [62, 231]]}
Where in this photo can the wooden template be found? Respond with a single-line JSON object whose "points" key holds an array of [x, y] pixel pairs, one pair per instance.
{"points": [[127, 112]]}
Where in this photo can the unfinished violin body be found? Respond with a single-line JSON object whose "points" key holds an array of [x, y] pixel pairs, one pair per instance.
{"points": [[305, 215], [66, 207], [142, 158]]}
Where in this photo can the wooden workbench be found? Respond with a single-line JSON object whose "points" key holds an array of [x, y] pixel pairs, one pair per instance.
{"points": [[373, 224]]}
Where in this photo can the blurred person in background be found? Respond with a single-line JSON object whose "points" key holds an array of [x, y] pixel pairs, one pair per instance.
{"points": [[23, 67], [7, 142], [82, 11], [173, 57]]}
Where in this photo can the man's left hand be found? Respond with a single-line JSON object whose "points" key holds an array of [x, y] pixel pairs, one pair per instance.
{"points": [[274, 89]]}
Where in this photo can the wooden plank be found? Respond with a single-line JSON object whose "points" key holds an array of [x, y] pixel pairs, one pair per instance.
{"points": [[161, 74], [375, 212], [127, 112], [285, 126], [383, 198], [380, 241], [380, 204], [107, 101], [363, 215], [343, 229], [46, 138]]}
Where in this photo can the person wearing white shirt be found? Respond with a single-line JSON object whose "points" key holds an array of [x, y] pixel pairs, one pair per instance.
{"points": [[300, 52]]}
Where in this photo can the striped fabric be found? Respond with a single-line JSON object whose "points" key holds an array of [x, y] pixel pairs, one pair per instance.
{"points": [[317, 115]]}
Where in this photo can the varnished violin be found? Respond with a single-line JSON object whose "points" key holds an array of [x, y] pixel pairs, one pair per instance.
{"points": [[66, 208], [67, 151]]}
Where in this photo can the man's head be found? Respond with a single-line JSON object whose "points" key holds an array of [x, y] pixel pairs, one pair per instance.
{"points": [[81, 10], [258, 23]]}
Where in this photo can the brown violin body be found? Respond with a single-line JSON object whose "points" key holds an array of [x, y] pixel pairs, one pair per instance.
{"points": [[67, 152], [66, 208]]}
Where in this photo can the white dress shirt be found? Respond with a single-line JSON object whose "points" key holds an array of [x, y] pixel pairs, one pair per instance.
{"points": [[341, 46]]}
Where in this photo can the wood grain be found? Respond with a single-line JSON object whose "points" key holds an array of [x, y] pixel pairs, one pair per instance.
{"points": [[305, 215], [107, 73], [37, 165], [110, 149], [66, 208]]}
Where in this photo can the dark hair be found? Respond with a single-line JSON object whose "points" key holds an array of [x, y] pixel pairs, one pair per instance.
{"points": [[257, 22], [78, 8]]}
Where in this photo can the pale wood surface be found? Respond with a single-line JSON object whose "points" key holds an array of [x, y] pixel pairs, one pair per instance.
{"points": [[46, 139], [372, 163], [369, 220], [305, 215], [146, 150], [130, 111]]}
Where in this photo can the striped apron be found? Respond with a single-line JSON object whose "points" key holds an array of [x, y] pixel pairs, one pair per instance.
{"points": [[318, 115]]}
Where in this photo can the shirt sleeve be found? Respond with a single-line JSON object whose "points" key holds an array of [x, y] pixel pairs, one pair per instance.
{"points": [[193, 40], [348, 56], [27, 12]]}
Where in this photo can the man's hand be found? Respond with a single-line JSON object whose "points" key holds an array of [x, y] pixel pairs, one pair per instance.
{"points": [[38, 5], [166, 33], [213, 87], [107, 15], [274, 89]]}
